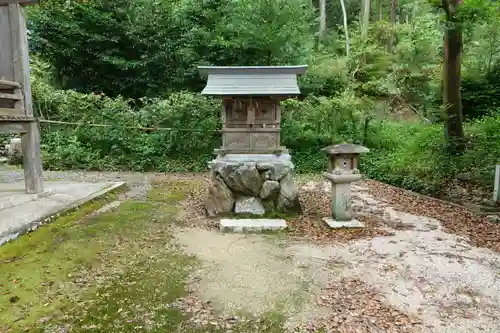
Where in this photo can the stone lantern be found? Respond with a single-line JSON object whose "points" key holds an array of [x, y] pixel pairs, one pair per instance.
{"points": [[252, 173], [342, 171]]}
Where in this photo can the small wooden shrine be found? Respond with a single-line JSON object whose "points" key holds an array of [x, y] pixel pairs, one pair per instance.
{"points": [[16, 107], [251, 105]]}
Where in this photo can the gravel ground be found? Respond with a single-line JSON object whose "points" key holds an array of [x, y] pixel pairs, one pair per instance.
{"points": [[402, 273], [418, 266]]}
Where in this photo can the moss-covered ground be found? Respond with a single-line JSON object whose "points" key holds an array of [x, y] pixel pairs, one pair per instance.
{"points": [[113, 272]]}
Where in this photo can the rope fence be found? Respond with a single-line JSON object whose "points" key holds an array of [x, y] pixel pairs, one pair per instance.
{"points": [[57, 122]]}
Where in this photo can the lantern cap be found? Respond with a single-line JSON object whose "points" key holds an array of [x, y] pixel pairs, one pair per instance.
{"points": [[345, 148]]}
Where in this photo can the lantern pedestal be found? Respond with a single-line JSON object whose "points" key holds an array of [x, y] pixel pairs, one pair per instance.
{"points": [[341, 201], [251, 184], [342, 171]]}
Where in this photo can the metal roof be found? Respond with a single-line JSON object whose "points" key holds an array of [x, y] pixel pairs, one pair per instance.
{"points": [[251, 80]]}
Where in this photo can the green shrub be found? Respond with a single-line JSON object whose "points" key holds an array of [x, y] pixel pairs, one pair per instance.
{"points": [[138, 48], [409, 155], [412, 156]]}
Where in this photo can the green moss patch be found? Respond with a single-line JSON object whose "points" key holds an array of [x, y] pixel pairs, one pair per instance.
{"points": [[113, 272]]}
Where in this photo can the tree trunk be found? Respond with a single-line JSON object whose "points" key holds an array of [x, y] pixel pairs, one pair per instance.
{"points": [[346, 29], [365, 22], [392, 39], [322, 18], [393, 11], [380, 12], [452, 99]]}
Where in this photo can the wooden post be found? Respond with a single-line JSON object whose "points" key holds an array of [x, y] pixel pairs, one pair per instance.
{"points": [[496, 192], [32, 161], [19, 72]]}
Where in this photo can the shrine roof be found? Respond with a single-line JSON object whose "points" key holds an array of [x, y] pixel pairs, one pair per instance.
{"points": [[252, 80]]}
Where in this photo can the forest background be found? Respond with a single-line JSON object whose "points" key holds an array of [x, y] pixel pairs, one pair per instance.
{"points": [[382, 73]]}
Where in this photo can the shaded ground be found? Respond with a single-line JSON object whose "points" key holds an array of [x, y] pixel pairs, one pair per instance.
{"points": [[149, 261]]}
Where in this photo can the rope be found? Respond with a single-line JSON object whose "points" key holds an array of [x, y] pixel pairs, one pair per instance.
{"points": [[45, 121]]}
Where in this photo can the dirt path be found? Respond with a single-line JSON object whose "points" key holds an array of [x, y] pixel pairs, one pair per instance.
{"points": [[418, 279]]}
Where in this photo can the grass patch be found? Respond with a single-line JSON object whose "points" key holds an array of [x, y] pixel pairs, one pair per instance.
{"points": [[115, 272], [40, 270]]}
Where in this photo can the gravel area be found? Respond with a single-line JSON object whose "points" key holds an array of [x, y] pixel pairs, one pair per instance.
{"points": [[419, 265], [402, 273]]}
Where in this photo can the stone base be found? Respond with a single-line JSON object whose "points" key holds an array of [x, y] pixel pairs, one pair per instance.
{"points": [[252, 184], [251, 225], [342, 224]]}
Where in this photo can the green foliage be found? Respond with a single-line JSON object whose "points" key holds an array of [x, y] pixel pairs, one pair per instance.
{"points": [[405, 154], [123, 147], [152, 48], [413, 156], [145, 48]]}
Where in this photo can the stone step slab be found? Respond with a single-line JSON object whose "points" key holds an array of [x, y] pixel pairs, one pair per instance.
{"points": [[251, 225]]}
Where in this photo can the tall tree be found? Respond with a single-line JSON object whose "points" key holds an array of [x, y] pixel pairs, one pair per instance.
{"points": [[452, 100], [393, 24], [394, 5], [365, 17], [322, 18], [346, 28]]}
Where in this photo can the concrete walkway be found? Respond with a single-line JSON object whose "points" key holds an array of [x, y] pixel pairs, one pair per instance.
{"points": [[21, 212]]}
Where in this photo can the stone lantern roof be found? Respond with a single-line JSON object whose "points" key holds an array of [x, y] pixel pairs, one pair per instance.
{"points": [[345, 148], [252, 80]]}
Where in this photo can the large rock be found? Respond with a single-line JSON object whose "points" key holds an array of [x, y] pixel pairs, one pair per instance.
{"points": [[249, 205], [275, 170], [255, 187], [243, 178], [220, 198], [270, 190], [288, 199]]}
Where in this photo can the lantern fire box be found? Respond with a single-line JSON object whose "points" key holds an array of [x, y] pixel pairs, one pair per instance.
{"points": [[252, 172]]}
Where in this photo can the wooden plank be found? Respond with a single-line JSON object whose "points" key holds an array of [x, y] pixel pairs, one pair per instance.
{"points": [[21, 2], [19, 37], [6, 69], [249, 130], [14, 127], [4, 84], [12, 112], [32, 162], [12, 97]]}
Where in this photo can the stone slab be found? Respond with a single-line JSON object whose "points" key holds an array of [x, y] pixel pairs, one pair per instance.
{"points": [[342, 224], [21, 212], [232, 158], [251, 225]]}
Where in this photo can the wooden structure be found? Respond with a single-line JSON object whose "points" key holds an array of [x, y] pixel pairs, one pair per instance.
{"points": [[251, 110], [16, 107]]}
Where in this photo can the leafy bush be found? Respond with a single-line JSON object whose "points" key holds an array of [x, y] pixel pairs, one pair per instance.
{"points": [[412, 155], [409, 155], [139, 48]]}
